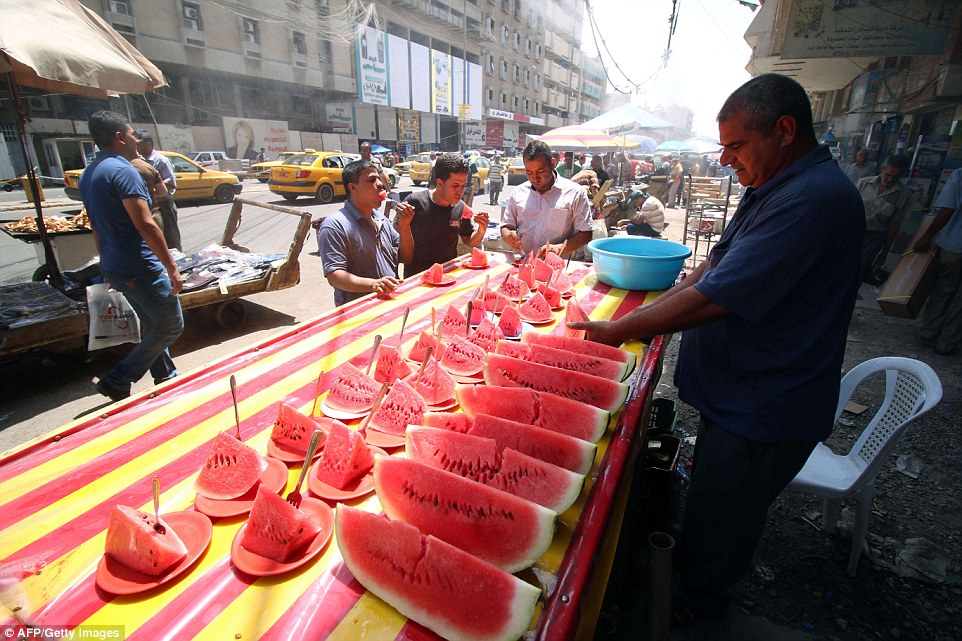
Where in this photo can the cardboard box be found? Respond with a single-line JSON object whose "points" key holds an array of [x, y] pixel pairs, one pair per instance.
{"points": [[905, 291]]}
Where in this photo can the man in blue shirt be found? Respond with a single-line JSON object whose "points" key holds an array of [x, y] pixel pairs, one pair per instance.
{"points": [[134, 257], [942, 317], [358, 245], [765, 320]]}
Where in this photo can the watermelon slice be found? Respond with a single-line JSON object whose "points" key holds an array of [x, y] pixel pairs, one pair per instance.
{"points": [[526, 275], [507, 371], [401, 406], [554, 261], [513, 288], [345, 459], [447, 421], [510, 322], [435, 386], [478, 313], [276, 529], [479, 258], [479, 459], [552, 295], [434, 274], [353, 390], [231, 469], [504, 530], [552, 447], [594, 365], [542, 270], [551, 412], [536, 309], [581, 346], [487, 335], [454, 322], [563, 282], [576, 314], [390, 364], [133, 540], [426, 339], [462, 358], [432, 582], [495, 301], [293, 430]]}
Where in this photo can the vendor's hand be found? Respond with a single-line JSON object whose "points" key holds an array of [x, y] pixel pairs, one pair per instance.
{"points": [[405, 214], [599, 332], [385, 285], [511, 238], [481, 219], [176, 281], [544, 250]]}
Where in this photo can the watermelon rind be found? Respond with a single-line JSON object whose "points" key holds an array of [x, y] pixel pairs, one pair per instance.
{"points": [[581, 346], [352, 391], [276, 529], [594, 365], [447, 420], [133, 541], [507, 371], [462, 358], [345, 459], [548, 411], [500, 528], [401, 406], [452, 593], [231, 469]]}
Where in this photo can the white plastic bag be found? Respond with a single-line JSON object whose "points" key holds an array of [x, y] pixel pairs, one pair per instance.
{"points": [[112, 319]]}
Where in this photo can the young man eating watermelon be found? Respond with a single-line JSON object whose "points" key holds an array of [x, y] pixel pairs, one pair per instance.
{"points": [[438, 217], [765, 320], [358, 245]]}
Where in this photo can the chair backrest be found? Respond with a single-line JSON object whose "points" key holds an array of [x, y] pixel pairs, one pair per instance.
{"points": [[911, 389]]}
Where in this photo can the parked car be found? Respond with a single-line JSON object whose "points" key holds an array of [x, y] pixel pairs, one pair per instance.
{"points": [[483, 166], [208, 158], [193, 181], [420, 169], [262, 170], [405, 165], [516, 171], [315, 174]]}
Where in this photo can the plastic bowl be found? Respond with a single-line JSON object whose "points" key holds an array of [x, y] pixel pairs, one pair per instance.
{"points": [[637, 262]]}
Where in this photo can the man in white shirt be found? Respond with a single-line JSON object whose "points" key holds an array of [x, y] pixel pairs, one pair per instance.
{"points": [[548, 210], [861, 168]]}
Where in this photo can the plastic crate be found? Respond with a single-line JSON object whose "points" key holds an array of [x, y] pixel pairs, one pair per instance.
{"points": [[664, 415]]}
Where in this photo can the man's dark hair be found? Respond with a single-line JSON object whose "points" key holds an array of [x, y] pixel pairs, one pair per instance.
{"points": [[766, 98], [449, 163], [352, 173], [104, 124], [537, 149], [897, 161]]}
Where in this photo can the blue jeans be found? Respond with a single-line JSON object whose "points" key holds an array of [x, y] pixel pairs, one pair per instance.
{"points": [[161, 322]]}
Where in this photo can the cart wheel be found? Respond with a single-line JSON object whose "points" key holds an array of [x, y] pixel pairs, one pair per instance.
{"points": [[41, 274], [230, 313]]}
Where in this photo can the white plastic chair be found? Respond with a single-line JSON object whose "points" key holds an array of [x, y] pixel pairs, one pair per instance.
{"points": [[911, 389]]}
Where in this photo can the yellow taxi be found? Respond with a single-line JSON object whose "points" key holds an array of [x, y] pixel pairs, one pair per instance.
{"points": [[420, 169], [262, 170], [193, 181], [316, 173], [405, 165], [516, 172]]}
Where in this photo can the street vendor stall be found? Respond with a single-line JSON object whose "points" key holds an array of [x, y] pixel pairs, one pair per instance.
{"points": [[56, 492]]}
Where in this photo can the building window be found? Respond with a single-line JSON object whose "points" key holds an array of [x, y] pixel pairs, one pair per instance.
{"points": [[121, 7], [490, 97], [537, 51], [490, 64], [514, 103], [537, 81], [504, 34], [504, 69], [324, 52], [489, 27], [192, 19], [253, 98], [517, 9], [516, 75], [506, 6], [300, 43], [517, 41], [252, 32], [301, 105], [527, 47], [504, 100], [527, 77], [526, 105]]}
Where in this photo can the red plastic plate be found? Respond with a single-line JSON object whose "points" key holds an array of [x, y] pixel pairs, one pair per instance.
{"points": [[364, 485], [257, 565], [273, 478]]}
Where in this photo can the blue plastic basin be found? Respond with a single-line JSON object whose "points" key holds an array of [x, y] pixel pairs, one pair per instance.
{"points": [[637, 262]]}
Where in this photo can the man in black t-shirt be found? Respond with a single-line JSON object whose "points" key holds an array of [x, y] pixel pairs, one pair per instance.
{"points": [[431, 221]]}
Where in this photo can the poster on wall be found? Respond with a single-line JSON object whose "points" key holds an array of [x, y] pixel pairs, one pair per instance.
{"points": [[441, 82], [421, 92], [245, 138], [494, 132], [408, 126], [399, 75], [474, 133], [340, 115], [176, 138], [372, 85]]}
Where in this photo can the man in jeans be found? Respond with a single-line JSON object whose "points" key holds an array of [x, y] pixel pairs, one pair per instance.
{"points": [[134, 257]]}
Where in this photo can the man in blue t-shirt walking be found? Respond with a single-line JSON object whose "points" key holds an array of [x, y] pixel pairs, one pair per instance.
{"points": [[134, 258], [765, 319]]}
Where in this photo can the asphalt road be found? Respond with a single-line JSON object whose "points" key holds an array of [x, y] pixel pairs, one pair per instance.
{"points": [[41, 391]]}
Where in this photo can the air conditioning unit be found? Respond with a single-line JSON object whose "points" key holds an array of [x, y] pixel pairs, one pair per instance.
{"points": [[119, 7], [191, 13], [38, 103]]}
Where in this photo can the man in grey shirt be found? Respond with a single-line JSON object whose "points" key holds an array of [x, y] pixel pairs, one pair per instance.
{"points": [[861, 168], [166, 208], [358, 245]]}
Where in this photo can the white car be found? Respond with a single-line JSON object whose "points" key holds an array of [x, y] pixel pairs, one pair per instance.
{"points": [[208, 158]]}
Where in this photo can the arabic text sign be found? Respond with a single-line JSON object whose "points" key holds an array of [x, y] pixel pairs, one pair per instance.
{"points": [[372, 67]]}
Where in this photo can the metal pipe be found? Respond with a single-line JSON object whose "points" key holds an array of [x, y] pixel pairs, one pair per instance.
{"points": [[660, 546]]}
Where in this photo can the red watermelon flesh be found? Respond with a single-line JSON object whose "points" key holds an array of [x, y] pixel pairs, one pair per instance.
{"points": [[133, 541], [276, 529], [552, 296], [352, 391], [542, 271], [345, 459], [400, 407], [479, 459], [526, 275], [506, 371], [434, 274], [562, 282], [447, 421], [430, 581], [390, 364], [554, 261], [575, 314], [231, 469], [487, 335], [594, 365], [513, 288], [435, 386], [495, 301], [581, 346], [552, 447], [293, 430], [462, 358], [536, 309], [510, 322], [478, 313], [551, 412], [479, 258], [502, 529], [454, 322], [426, 339]]}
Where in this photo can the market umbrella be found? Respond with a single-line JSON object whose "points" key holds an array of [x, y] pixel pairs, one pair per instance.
{"points": [[673, 145], [74, 52], [578, 138], [379, 149], [627, 118], [647, 144], [703, 145]]}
